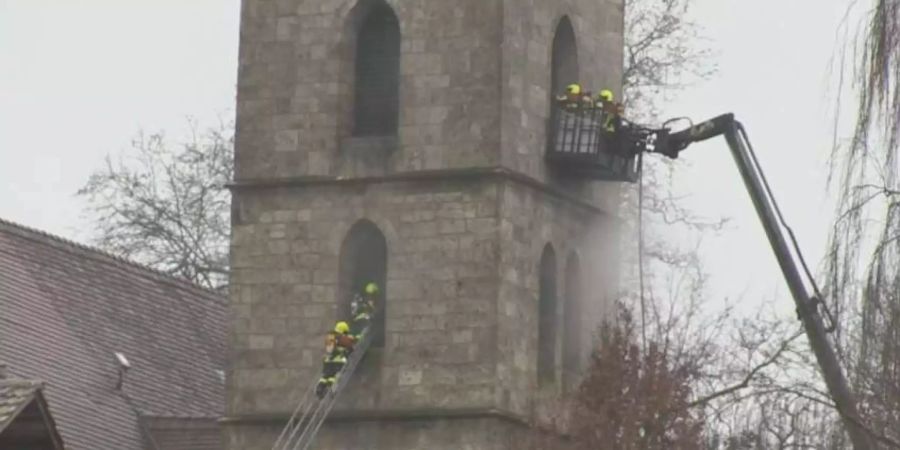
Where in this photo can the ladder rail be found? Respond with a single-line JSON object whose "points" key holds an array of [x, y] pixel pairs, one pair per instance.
{"points": [[290, 429], [309, 412], [314, 418]]}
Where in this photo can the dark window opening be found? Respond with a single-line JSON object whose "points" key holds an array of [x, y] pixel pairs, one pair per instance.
{"points": [[547, 323], [364, 259], [572, 320], [377, 80], [564, 59]]}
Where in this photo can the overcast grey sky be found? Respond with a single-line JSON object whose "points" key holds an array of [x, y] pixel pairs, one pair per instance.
{"points": [[79, 78], [775, 76]]}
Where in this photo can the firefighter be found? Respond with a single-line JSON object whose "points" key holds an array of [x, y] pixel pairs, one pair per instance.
{"points": [[572, 98], [617, 137], [610, 110], [338, 346], [344, 341], [362, 308]]}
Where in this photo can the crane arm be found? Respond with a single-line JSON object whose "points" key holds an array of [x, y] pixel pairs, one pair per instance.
{"points": [[670, 144]]}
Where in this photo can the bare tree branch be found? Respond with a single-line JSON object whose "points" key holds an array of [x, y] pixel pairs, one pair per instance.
{"points": [[166, 205], [751, 374]]}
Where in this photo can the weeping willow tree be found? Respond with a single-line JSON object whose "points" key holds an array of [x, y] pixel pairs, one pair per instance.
{"points": [[864, 255]]}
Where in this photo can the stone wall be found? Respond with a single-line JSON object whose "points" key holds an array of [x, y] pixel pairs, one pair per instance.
{"points": [[531, 220], [461, 195], [295, 88], [441, 291], [474, 86], [461, 292]]}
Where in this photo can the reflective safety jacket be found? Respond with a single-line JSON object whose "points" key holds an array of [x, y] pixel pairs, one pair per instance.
{"points": [[338, 344]]}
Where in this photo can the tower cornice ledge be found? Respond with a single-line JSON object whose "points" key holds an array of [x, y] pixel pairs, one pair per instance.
{"points": [[420, 175], [367, 415]]}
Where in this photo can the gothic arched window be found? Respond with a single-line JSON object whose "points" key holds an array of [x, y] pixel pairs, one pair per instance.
{"points": [[564, 59], [363, 260], [377, 78]]}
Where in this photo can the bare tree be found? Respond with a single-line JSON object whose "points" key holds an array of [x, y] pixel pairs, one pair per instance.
{"points": [[877, 78], [864, 175], [635, 399], [724, 360], [863, 269], [863, 266], [760, 361], [165, 204], [664, 51], [770, 391], [696, 375]]}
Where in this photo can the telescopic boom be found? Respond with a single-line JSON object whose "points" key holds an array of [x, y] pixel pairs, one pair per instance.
{"points": [[670, 144]]}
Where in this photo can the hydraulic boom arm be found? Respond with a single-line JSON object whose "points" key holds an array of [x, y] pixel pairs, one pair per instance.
{"points": [[766, 208]]}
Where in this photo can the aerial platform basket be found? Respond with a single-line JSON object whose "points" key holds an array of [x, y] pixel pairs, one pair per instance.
{"points": [[577, 144]]}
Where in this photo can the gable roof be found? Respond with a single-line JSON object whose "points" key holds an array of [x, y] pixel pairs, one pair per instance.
{"points": [[65, 309], [24, 416], [14, 397]]}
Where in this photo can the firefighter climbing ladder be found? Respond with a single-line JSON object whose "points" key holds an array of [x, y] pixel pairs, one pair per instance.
{"points": [[301, 429]]}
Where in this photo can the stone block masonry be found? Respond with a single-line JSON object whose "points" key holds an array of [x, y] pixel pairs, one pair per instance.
{"points": [[441, 289], [461, 303], [460, 194]]}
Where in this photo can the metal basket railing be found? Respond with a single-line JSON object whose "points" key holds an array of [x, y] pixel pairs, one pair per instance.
{"points": [[578, 141]]}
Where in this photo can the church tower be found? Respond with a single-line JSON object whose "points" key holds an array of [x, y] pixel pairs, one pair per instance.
{"points": [[408, 142]]}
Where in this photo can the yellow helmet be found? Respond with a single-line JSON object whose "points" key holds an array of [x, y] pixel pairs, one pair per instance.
{"points": [[342, 327], [371, 289], [573, 88], [606, 95]]}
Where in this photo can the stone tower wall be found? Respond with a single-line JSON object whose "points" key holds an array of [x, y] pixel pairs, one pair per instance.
{"points": [[295, 89], [531, 220], [441, 287], [461, 195]]}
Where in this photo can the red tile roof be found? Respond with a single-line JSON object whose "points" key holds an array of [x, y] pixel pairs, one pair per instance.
{"points": [[65, 309]]}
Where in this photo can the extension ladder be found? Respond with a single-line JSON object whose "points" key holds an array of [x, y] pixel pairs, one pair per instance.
{"points": [[309, 415]]}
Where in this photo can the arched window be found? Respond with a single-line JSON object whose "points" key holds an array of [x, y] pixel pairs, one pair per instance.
{"points": [[572, 320], [364, 259], [564, 59], [377, 74], [547, 318]]}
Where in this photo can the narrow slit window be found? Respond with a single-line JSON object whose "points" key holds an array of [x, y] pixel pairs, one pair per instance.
{"points": [[547, 318], [572, 310]]}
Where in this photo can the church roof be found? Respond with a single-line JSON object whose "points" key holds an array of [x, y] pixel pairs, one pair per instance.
{"points": [[67, 309]]}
